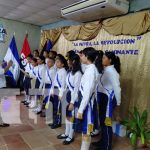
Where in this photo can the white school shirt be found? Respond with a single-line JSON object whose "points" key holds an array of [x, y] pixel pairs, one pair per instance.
{"points": [[40, 72], [83, 66], [49, 76], [88, 85], [28, 68], [60, 81], [33, 73], [2, 78], [109, 81], [73, 83]]}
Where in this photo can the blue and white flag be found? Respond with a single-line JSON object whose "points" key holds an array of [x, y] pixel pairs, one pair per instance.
{"points": [[12, 54], [49, 45]]}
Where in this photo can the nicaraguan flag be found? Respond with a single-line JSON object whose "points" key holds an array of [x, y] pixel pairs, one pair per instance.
{"points": [[12, 54]]}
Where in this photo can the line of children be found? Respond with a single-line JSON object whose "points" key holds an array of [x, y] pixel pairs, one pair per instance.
{"points": [[93, 91]]}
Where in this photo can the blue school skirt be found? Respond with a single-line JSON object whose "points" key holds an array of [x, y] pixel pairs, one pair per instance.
{"points": [[70, 114], [88, 116]]}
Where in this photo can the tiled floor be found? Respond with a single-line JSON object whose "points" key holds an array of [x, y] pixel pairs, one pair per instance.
{"points": [[30, 136]]}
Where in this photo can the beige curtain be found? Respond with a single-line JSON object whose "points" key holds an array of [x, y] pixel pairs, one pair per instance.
{"points": [[131, 24]]}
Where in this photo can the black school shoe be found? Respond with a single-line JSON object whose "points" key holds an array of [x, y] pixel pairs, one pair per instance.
{"points": [[4, 125], [97, 144], [39, 112], [68, 142], [62, 136], [55, 126], [50, 124]]}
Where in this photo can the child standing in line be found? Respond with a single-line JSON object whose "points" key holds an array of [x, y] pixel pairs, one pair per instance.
{"points": [[110, 98], [33, 76], [72, 81], [87, 94], [48, 82], [27, 80], [38, 85], [58, 90]]}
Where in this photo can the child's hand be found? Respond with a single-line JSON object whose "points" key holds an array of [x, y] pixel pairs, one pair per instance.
{"points": [[79, 115], [71, 107]]}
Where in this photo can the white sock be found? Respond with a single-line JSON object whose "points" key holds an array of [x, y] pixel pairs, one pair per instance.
{"points": [[86, 144], [67, 127], [96, 131], [71, 132]]}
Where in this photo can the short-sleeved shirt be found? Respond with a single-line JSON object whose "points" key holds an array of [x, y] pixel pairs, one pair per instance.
{"points": [[2, 78]]}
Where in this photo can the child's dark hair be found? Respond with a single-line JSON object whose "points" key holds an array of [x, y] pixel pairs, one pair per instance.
{"points": [[94, 56], [42, 58], [98, 61], [30, 56], [34, 59], [54, 53], [51, 58], [70, 54], [36, 50], [76, 65], [63, 61], [115, 60]]}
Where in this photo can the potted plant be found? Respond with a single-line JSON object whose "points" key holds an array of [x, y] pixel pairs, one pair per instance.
{"points": [[138, 128]]}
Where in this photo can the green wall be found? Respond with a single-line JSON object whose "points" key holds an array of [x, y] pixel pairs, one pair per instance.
{"points": [[20, 30], [137, 5]]}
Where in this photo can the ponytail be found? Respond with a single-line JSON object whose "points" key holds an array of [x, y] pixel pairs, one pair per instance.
{"points": [[115, 60], [98, 61], [117, 64]]}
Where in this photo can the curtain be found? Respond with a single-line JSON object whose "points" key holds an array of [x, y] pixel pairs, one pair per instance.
{"points": [[130, 24]]}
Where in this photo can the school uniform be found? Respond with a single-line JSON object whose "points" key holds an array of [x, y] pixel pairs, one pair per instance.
{"points": [[109, 97], [33, 76], [96, 111], [27, 82], [38, 85], [47, 83], [72, 83], [58, 92], [40, 74], [86, 100]]}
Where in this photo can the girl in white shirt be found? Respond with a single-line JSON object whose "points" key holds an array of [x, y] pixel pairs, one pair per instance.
{"points": [[87, 94], [41, 69], [27, 79], [110, 98], [58, 90], [48, 83], [33, 76], [72, 82]]}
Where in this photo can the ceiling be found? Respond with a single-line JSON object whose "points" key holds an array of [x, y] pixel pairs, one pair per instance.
{"points": [[38, 12]]}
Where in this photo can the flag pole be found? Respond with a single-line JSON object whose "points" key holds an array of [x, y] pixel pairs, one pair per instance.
{"points": [[26, 33]]}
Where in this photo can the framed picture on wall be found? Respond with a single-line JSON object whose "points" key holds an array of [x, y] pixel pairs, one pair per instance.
{"points": [[2, 33]]}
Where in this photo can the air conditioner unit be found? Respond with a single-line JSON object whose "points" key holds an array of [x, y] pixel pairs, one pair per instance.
{"points": [[89, 10]]}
